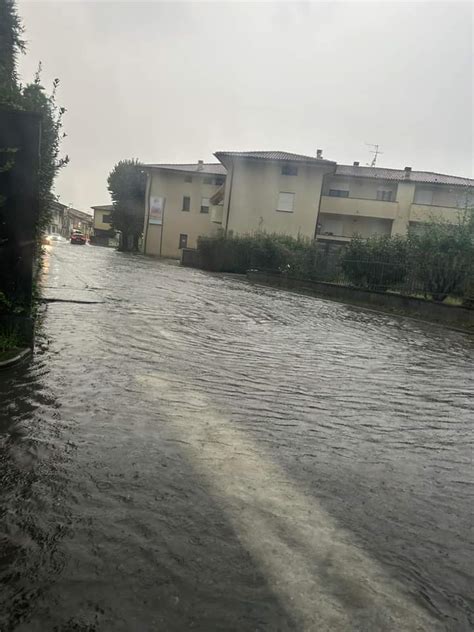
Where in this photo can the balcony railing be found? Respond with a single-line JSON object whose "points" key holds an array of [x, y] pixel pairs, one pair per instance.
{"points": [[216, 213], [427, 212], [359, 207]]}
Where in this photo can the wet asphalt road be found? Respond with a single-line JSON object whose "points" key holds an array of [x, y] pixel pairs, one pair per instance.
{"points": [[190, 452]]}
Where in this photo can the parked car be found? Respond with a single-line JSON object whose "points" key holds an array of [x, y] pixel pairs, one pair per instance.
{"points": [[78, 238], [54, 237]]}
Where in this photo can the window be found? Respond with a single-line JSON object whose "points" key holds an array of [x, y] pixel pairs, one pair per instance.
{"points": [[205, 205], [186, 203], [385, 195], [338, 193], [219, 181], [183, 241], [208, 180], [106, 219], [286, 202], [423, 196], [188, 178], [289, 170]]}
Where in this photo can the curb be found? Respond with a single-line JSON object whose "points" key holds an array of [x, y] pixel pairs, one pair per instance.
{"points": [[5, 364]]}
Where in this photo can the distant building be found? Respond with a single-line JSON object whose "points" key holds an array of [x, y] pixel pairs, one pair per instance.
{"points": [[56, 221], [64, 219], [76, 220], [103, 234], [293, 194]]}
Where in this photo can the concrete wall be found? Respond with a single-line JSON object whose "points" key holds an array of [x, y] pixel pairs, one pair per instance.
{"points": [[347, 225], [173, 187], [459, 317], [363, 207]]}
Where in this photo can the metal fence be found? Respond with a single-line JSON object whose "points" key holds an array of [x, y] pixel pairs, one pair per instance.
{"points": [[409, 278]]}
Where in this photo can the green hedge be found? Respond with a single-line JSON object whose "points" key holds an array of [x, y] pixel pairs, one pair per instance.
{"points": [[437, 261], [299, 257], [377, 263], [244, 252]]}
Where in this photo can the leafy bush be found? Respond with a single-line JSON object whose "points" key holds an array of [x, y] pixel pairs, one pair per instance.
{"points": [[261, 251], [442, 257], [378, 263], [438, 261]]}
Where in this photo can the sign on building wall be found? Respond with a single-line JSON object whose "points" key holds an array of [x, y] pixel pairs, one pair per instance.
{"points": [[157, 207]]}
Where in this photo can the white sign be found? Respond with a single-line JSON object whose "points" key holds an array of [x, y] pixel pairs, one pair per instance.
{"points": [[157, 207]]}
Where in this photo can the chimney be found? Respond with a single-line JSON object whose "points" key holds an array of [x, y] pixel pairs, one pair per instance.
{"points": [[319, 153], [356, 163], [407, 172], [200, 165]]}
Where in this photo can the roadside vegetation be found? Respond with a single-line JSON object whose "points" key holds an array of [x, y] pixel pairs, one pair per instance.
{"points": [[436, 263], [29, 97]]}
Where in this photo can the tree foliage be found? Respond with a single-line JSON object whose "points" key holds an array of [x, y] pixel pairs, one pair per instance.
{"points": [[34, 98], [11, 45], [442, 256], [31, 97], [437, 260], [127, 184]]}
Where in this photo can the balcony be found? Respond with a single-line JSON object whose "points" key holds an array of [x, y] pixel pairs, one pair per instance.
{"points": [[216, 213], [360, 207], [427, 212]]}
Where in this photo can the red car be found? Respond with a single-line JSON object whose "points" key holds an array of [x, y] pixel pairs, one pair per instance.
{"points": [[78, 238]]}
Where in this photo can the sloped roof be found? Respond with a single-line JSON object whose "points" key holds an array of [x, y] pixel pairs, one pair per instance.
{"points": [[103, 207], [427, 177], [208, 168], [272, 155]]}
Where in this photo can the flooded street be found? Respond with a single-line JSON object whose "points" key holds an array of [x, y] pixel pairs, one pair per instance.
{"points": [[190, 452]]}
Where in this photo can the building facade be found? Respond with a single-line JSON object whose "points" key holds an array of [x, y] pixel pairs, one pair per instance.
{"points": [[178, 207], [102, 232], [76, 220], [56, 218], [292, 194]]}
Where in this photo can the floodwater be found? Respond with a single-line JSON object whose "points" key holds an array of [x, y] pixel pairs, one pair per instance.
{"points": [[186, 451]]}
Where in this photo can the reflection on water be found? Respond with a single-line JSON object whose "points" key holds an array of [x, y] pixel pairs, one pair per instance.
{"points": [[193, 452]]}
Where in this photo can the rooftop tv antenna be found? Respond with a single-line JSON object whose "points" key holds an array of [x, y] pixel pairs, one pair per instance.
{"points": [[376, 151]]}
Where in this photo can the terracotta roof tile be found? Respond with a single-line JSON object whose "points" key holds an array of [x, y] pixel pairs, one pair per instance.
{"points": [[381, 173]]}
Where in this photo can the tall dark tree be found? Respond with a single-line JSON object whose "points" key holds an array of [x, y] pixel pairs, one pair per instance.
{"points": [[126, 184], [11, 45]]}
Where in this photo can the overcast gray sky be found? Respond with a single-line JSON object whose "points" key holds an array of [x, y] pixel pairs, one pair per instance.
{"points": [[174, 82]]}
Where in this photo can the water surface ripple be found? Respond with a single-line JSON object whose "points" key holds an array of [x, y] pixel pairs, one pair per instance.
{"points": [[188, 451]]}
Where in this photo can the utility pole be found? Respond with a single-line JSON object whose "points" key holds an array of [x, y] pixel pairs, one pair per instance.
{"points": [[376, 151]]}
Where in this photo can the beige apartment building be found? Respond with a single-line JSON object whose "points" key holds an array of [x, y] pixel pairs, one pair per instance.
{"points": [[293, 194], [178, 206]]}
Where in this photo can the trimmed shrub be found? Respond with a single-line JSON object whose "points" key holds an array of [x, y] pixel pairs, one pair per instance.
{"points": [[377, 263], [442, 257]]}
